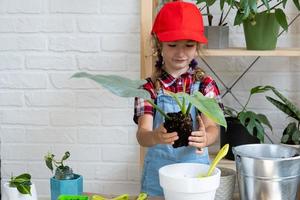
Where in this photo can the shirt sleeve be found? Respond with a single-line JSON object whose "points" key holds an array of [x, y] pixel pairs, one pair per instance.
{"points": [[210, 89], [142, 106]]}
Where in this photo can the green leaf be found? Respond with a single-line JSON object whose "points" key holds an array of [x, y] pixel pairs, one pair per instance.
{"points": [[66, 156], [281, 18], [284, 3], [284, 139], [260, 89], [222, 2], [296, 136], [118, 85], [48, 160], [252, 122], [266, 3], [24, 189], [264, 120], [297, 4], [210, 2], [238, 18], [209, 107], [24, 176], [281, 106], [288, 103], [253, 5]]}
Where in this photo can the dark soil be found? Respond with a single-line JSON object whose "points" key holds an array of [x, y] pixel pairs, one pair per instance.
{"points": [[183, 125]]}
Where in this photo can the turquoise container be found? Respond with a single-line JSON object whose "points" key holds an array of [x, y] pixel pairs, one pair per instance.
{"points": [[66, 187]]}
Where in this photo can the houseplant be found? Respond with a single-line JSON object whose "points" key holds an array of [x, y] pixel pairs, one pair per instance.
{"points": [[19, 188], [64, 180], [291, 133], [178, 121], [244, 126], [217, 34], [261, 21]]}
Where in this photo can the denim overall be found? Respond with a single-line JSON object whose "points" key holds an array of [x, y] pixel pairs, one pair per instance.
{"points": [[162, 154]]}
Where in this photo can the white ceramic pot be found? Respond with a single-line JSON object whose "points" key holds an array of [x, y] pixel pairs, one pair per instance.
{"points": [[10, 193], [179, 182]]}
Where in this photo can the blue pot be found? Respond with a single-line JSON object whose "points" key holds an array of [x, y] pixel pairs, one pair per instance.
{"points": [[72, 186]]}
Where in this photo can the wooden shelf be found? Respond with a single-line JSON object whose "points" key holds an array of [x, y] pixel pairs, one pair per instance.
{"points": [[289, 52]]}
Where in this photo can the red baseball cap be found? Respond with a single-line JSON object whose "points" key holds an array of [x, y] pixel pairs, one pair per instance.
{"points": [[179, 21]]}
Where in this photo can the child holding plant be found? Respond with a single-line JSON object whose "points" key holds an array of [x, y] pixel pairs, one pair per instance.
{"points": [[178, 32]]}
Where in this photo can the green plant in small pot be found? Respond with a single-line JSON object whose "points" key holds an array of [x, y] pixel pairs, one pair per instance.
{"points": [[218, 33], [291, 133], [261, 21], [19, 188], [244, 126], [64, 180], [181, 121]]}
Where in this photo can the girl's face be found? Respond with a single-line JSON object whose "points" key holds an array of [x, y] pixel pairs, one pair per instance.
{"points": [[177, 55]]}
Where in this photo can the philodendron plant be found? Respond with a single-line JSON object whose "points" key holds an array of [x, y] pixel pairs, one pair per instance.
{"points": [[62, 172], [22, 183], [252, 121], [291, 134], [181, 121]]}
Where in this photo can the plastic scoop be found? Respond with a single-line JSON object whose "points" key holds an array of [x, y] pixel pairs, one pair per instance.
{"points": [[142, 196], [223, 151], [121, 197]]}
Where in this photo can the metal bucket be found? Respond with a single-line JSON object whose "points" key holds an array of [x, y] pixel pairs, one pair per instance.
{"points": [[268, 172]]}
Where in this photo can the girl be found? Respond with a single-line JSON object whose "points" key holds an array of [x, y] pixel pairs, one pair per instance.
{"points": [[178, 31]]}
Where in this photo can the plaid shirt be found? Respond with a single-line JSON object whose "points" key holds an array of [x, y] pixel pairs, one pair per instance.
{"points": [[208, 88]]}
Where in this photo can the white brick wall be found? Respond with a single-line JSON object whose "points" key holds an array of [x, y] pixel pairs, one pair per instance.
{"points": [[43, 42]]}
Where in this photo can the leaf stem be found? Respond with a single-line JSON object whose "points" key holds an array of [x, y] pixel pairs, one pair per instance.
{"points": [[158, 109]]}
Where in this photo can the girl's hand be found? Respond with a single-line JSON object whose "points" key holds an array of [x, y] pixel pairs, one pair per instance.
{"points": [[160, 136], [198, 138]]}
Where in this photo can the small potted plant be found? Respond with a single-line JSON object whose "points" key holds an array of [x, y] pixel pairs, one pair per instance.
{"points": [[19, 188], [244, 126], [179, 121], [291, 133], [217, 34], [261, 21], [64, 180]]}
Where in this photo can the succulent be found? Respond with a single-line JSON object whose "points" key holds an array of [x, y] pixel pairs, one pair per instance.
{"points": [[62, 172]]}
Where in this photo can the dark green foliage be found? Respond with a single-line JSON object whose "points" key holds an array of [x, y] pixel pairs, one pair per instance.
{"points": [[253, 122], [22, 183], [247, 10], [291, 134]]}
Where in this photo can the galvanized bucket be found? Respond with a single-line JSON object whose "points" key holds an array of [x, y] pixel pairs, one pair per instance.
{"points": [[267, 172]]}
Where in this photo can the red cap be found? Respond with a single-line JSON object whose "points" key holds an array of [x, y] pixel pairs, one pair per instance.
{"points": [[179, 21]]}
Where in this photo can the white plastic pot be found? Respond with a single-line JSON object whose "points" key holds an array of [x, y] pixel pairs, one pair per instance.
{"points": [[179, 182], [11, 193]]}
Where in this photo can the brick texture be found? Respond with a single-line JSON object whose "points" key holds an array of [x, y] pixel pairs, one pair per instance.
{"points": [[44, 42]]}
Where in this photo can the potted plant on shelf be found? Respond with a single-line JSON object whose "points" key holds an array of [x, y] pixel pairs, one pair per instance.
{"points": [[291, 133], [245, 126], [19, 188], [180, 121], [218, 34], [64, 180], [261, 21]]}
